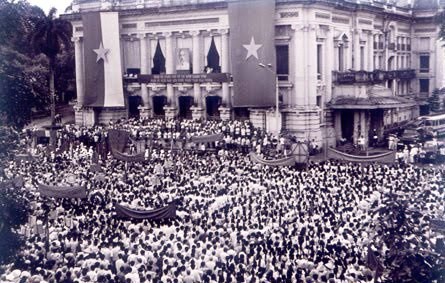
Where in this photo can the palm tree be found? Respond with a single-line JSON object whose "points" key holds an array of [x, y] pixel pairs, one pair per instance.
{"points": [[50, 35]]}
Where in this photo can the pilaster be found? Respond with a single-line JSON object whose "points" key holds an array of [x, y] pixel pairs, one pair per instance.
{"points": [[196, 41], [225, 66], [79, 71], [169, 68], [299, 59], [329, 66]]}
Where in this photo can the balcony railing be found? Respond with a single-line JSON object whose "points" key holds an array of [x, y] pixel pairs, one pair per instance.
{"points": [[376, 76]]}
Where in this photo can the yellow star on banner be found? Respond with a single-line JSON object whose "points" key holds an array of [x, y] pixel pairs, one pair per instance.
{"points": [[252, 48], [101, 52]]}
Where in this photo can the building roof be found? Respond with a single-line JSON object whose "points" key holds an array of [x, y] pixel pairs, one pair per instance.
{"points": [[426, 5], [370, 102]]}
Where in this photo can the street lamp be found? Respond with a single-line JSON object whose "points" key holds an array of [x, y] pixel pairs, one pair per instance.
{"points": [[277, 105]]}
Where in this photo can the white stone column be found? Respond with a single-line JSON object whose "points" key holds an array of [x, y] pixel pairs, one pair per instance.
{"points": [[143, 49], [297, 97], [79, 71], [169, 67], [356, 50], [145, 96], [329, 55], [311, 48], [356, 132], [197, 69], [145, 108], [439, 63], [370, 52], [225, 65]]}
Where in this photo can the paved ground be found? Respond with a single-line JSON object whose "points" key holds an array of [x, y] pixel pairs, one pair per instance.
{"points": [[67, 117]]}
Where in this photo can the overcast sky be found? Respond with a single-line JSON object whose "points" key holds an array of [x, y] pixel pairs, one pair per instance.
{"points": [[60, 5]]}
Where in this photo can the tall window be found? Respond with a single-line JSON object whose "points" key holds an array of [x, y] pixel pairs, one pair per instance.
{"points": [[158, 61], [213, 59], [341, 62], [424, 85], [424, 63], [362, 57], [282, 62], [319, 61]]}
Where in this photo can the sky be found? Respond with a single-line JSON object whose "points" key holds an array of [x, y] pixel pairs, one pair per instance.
{"points": [[46, 5]]}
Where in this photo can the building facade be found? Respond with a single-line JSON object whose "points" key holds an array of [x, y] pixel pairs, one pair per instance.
{"points": [[345, 69]]}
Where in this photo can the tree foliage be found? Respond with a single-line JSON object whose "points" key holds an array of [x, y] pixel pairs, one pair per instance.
{"points": [[24, 73], [400, 240], [14, 211], [49, 36]]}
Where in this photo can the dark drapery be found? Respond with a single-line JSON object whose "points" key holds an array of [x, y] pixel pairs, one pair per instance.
{"points": [[62, 191], [388, 157], [286, 161], [165, 212]]}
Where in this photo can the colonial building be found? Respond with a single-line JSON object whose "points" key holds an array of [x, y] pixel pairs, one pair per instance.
{"points": [[344, 68]]}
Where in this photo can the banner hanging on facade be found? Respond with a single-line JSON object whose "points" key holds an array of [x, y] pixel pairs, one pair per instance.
{"points": [[252, 41], [102, 60]]}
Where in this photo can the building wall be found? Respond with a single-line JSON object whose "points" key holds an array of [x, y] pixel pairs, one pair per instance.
{"points": [[370, 37]]}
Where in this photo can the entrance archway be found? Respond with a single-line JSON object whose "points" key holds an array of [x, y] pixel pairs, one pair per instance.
{"points": [[347, 124], [158, 105], [133, 102], [212, 104], [185, 102]]}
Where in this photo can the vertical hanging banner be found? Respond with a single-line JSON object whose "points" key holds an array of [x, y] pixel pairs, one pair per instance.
{"points": [[252, 41], [102, 59]]}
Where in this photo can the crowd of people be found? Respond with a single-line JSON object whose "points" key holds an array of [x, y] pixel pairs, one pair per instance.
{"points": [[236, 221]]}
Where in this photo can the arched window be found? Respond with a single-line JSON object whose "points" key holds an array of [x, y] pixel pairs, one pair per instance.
{"points": [[158, 61], [213, 59]]}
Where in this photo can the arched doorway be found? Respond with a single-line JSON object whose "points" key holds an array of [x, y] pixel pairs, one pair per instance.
{"points": [[133, 103], [212, 104], [158, 105], [185, 102]]}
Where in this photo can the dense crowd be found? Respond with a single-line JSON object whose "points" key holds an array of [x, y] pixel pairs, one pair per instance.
{"points": [[236, 221]]}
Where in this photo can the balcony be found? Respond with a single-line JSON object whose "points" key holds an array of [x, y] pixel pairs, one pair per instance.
{"points": [[377, 76]]}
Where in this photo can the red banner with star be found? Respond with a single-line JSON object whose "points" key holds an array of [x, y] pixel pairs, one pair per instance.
{"points": [[252, 41]]}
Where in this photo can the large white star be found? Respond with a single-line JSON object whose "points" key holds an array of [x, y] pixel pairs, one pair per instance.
{"points": [[101, 52], [252, 48]]}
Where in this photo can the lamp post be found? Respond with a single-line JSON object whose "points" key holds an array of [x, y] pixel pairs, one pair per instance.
{"points": [[277, 105]]}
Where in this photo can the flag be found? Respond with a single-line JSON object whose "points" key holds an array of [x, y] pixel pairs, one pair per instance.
{"points": [[102, 59], [118, 139], [252, 41]]}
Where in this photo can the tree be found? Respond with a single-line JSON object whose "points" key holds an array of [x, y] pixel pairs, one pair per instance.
{"points": [[49, 37], [406, 257], [14, 211], [434, 101], [440, 19]]}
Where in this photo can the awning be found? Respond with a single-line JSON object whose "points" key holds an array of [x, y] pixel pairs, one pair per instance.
{"points": [[370, 102]]}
